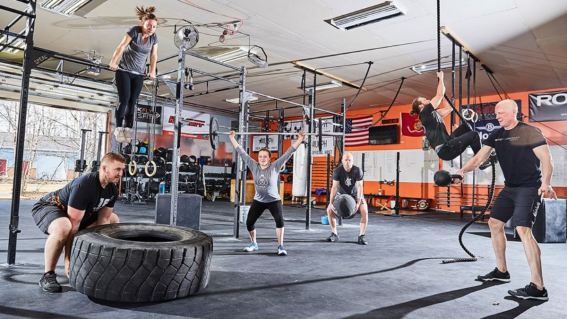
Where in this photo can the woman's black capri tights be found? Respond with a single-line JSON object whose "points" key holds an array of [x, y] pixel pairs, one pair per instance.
{"points": [[258, 208], [129, 87]]}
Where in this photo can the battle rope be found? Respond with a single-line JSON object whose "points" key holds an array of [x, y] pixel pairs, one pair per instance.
{"points": [[479, 216], [491, 192], [361, 85], [393, 101]]}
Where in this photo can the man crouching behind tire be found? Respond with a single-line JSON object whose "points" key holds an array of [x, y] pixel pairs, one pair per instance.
{"points": [[85, 202]]}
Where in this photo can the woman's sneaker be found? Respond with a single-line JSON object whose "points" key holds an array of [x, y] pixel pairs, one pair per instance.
{"points": [[118, 134], [126, 135], [496, 275], [281, 251], [530, 292], [251, 247], [48, 282]]}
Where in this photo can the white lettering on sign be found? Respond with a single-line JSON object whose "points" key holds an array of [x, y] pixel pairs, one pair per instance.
{"points": [[556, 99]]}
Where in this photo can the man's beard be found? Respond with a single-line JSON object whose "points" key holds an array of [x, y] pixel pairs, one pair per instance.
{"points": [[108, 178]]}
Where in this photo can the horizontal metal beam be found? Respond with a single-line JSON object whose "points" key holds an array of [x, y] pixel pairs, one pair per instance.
{"points": [[24, 13], [276, 98]]}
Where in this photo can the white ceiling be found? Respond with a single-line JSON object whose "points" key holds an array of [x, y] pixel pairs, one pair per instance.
{"points": [[522, 41]]}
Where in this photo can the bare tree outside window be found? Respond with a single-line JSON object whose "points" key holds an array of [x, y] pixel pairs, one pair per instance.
{"points": [[52, 143]]}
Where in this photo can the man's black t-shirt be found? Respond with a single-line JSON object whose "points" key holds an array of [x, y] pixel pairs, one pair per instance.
{"points": [[514, 149], [347, 180], [84, 193], [433, 126]]}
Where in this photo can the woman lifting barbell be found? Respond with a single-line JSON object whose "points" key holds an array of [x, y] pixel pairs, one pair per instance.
{"points": [[266, 181], [431, 116]]}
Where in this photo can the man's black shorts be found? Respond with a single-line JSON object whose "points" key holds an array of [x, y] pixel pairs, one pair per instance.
{"points": [[519, 203], [44, 214]]}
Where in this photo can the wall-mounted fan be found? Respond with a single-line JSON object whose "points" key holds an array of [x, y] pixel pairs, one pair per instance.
{"points": [[186, 37]]}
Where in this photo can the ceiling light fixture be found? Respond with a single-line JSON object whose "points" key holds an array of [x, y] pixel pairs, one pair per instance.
{"points": [[258, 59], [19, 43], [325, 86], [232, 55], [236, 100], [420, 69], [64, 7], [373, 14]]}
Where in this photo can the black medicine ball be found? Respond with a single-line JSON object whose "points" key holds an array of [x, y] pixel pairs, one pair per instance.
{"points": [[344, 205]]}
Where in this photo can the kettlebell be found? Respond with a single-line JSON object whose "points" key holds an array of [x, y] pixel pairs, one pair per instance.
{"points": [[444, 178]]}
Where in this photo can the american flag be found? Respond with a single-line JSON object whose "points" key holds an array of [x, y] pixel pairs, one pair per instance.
{"points": [[356, 132]]}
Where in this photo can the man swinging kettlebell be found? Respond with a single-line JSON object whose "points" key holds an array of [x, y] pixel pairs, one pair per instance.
{"points": [[444, 178]]}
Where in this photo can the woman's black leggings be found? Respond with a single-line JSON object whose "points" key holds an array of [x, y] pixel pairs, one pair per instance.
{"points": [[258, 208], [459, 140], [129, 87]]}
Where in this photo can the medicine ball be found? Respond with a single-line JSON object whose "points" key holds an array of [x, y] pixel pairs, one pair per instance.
{"points": [[169, 154], [184, 158], [192, 159], [345, 205], [161, 152], [127, 149], [160, 172]]}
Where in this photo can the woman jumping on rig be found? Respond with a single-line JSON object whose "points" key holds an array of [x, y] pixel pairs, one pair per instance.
{"points": [[431, 116], [139, 42], [266, 181]]}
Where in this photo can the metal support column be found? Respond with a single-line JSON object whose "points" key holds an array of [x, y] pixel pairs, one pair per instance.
{"points": [[240, 172], [177, 137], [82, 165], [281, 124], [27, 66], [310, 129], [99, 150]]}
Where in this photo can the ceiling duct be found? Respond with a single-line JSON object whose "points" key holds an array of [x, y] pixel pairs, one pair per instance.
{"points": [[356, 19]]}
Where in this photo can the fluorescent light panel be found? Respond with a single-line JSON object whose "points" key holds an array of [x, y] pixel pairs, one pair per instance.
{"points": [[235, 54], [373, 14], [64, 7], [19, 43], [419, 69], [324, 86], [236, 100]]}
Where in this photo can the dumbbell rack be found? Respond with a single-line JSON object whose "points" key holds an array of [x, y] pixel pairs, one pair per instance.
{"points": [[134, 191], [217, 184]]}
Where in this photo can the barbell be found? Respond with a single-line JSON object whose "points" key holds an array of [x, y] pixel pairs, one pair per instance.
{"points": [[214, 133]]}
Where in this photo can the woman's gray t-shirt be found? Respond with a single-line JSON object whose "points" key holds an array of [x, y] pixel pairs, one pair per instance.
{"points": [[266, 180], [136, 52]]}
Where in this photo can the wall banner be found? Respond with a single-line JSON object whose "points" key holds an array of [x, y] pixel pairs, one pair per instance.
{"points": [[548, 106], [197, 122]]}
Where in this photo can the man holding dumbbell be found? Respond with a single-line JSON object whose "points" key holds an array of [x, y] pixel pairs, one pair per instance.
{"points": [[347, 180], [527, 165]]}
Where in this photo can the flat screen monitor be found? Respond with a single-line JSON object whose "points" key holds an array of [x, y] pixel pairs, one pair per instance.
{"points": [[384, 134]]}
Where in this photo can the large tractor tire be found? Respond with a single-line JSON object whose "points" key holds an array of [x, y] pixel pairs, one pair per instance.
{"points": [[140, 262]]}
